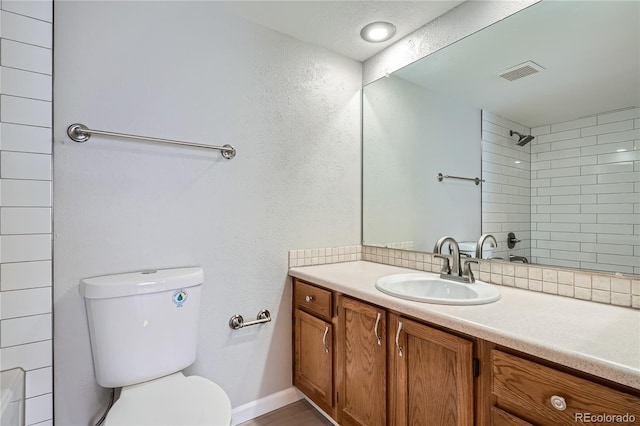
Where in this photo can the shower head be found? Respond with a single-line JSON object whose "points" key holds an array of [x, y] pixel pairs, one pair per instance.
{"points": [[522, 139]]}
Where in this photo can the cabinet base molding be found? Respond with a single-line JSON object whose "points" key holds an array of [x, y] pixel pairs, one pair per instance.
{"points": [[320, 410], [253, 409]]}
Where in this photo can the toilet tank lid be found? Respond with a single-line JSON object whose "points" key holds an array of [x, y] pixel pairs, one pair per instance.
{"points": [[141, 282]]}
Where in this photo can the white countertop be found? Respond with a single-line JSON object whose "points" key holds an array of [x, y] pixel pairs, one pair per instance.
{"points": [[599, 339]]}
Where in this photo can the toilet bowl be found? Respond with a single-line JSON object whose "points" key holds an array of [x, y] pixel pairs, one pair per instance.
{"points": [[171, 400], [143, 329]]}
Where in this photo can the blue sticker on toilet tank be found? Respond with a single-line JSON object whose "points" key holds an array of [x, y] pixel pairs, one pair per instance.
{"points": [[179, 297]]}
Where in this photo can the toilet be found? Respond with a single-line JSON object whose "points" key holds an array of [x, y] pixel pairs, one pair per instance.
{"points": [[143, 328]]}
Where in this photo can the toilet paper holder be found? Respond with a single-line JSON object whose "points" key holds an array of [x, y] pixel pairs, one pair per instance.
{"points": [[236, 322]]}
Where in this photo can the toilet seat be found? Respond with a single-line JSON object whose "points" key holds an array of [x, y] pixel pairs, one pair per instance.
{"points": [[171, 401]]}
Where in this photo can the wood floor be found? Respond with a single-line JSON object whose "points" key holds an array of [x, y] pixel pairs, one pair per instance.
{"points": [[299, 413]]}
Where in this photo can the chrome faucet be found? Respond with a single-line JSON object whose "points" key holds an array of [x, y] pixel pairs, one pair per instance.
{"points": [[481, 241], [454, 272]]}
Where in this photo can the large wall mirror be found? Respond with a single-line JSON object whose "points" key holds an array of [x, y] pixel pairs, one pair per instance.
{"points": [[544, 107]]}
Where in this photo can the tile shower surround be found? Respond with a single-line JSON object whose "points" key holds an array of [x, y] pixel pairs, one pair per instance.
{"points": [[25, 200], [611, 289], [585, 192]]}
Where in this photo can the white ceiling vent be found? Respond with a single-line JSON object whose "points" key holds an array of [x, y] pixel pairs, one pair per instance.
{"points": [[519, 71]]}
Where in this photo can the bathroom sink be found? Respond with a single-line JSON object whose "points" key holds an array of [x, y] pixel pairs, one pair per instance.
{"points": [[430, 288]]}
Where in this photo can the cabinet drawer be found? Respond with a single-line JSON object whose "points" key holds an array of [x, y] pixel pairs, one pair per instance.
{"points": [[312, 299], [529, 391]]}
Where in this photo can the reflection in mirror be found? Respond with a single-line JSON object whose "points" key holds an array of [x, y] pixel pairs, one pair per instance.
{"points": [[411, 135], [570, 193]]}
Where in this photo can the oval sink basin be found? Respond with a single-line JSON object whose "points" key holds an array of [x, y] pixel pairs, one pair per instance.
{"points": [[431, 288]]}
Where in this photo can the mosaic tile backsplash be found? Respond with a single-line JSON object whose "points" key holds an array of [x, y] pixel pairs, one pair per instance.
{"points": [[613, 289], [322, 256]]}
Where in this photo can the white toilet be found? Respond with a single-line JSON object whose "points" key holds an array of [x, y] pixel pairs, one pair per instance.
{"points": [[143, 328]]}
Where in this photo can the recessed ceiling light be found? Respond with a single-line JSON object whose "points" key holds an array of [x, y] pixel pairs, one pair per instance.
{"points": [[377, 32], [620, 150], [517, 161]]}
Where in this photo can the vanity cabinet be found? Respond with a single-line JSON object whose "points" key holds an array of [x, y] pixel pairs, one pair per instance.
{"points": [[362, 364], [526, 392], [433, 376], [313, 344], [364, 373], [366, 365]]}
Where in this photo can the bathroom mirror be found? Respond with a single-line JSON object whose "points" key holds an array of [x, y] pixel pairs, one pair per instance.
{"points": [[565, 73]]}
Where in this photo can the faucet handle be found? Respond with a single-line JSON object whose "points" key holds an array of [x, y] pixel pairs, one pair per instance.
{"points": [[467, 270], [446, 269]]}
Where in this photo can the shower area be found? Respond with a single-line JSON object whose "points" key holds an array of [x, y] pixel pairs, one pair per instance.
{"points": [[569, 191]]}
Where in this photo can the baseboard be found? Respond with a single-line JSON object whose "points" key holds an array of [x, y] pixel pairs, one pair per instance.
{"points": [[261, 406]]}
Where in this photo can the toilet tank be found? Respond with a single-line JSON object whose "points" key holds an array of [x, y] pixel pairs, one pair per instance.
{"points": [[143, 325]]}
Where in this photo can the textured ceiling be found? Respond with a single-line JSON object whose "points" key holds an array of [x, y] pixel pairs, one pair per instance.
{"points": [[336, 25], [590, 51]]}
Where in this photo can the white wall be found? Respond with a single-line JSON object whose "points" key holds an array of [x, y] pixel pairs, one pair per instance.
{"points": [[25, 200], [183, 70], [411, 134]]}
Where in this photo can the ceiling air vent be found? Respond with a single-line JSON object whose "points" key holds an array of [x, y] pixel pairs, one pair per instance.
{"points": [[520, 71]]}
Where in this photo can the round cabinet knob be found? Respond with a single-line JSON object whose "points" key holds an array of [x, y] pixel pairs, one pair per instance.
{"points": [[558, 403], [309, 299]]}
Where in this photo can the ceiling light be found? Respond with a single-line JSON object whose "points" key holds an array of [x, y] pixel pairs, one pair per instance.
{"points": [[377, 32], [517, 162], [620, 150]]}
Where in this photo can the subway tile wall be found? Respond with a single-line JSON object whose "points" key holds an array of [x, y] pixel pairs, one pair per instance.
{"points": [[25, 200], [506, 192], [585, 179]]}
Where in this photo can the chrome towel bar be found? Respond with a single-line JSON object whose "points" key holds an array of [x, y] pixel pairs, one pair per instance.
{"points": [[236, 322], [80, 133], [477, 180]]}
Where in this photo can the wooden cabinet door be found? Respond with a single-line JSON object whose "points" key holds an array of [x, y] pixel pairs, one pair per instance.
{"points": [[362, 364], [313, 359], [434, 377]]}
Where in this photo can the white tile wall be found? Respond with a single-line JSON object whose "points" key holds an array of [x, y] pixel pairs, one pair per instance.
{"points": [[18, 331], [506, 194], [25, 165], [29, 220], [25, 193], [592, 286], [26, 29], [26, 84], [29, 357], [589, 169], [31, 112], [25, 248], [16, 137], [39, 382], [322, 256], [25, 199], [596, 287], [21, 303], [25, 57], [23, 275], [39, 409], [37, 9]]}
